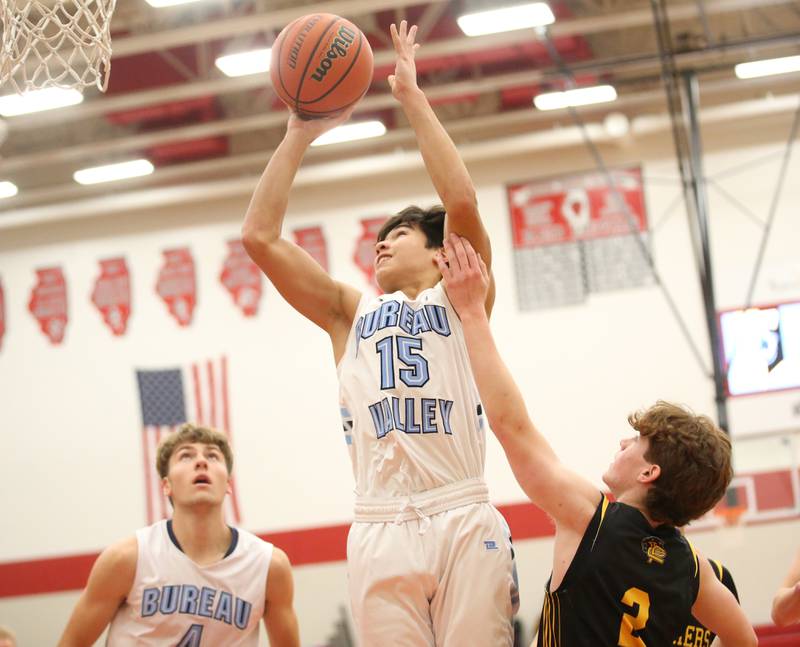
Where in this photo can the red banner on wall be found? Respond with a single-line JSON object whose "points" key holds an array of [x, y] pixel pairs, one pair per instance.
{"points": [[112, 294], [177, 285], [364, 252], [48, 303], [242, 278], [312, 240], [577, 207], [2, 314]]}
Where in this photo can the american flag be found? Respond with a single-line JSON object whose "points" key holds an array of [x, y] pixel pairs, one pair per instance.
{"points": [[166, 395]]}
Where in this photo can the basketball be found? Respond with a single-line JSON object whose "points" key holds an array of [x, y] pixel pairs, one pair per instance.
{"points": [[321, 65]]}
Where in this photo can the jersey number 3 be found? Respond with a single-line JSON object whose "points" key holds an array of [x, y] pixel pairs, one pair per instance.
{"points": [[630, 623]]}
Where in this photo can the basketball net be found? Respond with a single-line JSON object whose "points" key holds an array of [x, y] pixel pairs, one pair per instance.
{"points": [[55, 43]]}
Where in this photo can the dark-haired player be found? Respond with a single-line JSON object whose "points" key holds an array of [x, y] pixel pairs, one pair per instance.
{"points": [[429, 559]]}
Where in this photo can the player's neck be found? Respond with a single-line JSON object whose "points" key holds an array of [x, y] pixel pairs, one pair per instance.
{"points": [[202, 534], [413, 288], [636, 500]]}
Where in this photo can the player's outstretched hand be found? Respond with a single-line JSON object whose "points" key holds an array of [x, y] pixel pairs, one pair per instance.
{"points": [[404, 79], [786, 606], [465, 276], [313, 128]]}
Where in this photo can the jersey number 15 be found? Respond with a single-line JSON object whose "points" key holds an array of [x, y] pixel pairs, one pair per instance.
{"points": [[407, 351]]}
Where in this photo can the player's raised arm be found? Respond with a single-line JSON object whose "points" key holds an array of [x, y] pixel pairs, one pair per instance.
{"points": [[442, 160], [717, 609], [109, 582], [569, 498], [786, 604], [279, 616], [299, 279]]}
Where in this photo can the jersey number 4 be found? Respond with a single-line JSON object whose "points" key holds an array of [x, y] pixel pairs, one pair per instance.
{"points": [[192, 637], [634, 598]]}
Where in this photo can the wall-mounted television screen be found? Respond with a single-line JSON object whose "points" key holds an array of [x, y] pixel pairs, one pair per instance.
{"points": [[761, 348]]}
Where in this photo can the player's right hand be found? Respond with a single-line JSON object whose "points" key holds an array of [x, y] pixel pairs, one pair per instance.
{"points": [[313, 128]]}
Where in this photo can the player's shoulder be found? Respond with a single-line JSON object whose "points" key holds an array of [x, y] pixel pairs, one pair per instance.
{"points": [[723, 575], [279, 560], [720, 570], [247, 537], [122, 552], [280, 570], [247, 541], [115, 568]]}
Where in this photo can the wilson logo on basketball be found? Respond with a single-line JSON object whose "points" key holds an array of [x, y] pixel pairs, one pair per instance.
{"points": [[338, 49]]}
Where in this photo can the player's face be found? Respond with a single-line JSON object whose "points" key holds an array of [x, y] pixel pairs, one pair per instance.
{"points": [[197, 475], [629, 462], [403, 254]]}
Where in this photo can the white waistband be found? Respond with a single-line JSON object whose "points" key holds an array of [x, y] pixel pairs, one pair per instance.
{"points": [[421, 505]]}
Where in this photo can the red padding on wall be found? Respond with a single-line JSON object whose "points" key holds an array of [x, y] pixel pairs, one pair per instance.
{"points": [[305, 546]]}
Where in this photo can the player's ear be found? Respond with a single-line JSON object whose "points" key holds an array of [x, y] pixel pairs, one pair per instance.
{"points": [[166, 487], [649, 474]]}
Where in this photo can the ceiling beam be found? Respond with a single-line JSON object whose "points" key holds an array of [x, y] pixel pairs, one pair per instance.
{"points": [[487, 125], [375, 102], [254, 23], [432, 50], [250, 24], [109, 203]]}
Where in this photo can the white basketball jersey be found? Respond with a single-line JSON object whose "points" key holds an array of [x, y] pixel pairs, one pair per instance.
{"points": [[410, 407], [176, 603]]}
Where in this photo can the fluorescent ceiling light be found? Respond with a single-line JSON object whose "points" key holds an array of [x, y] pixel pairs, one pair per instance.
{"points": [[532, 14], [7, 189], [768, 67], [576, 97], [244, 63], [12, 105], [111, 172], [158, 4], [351, 132]]}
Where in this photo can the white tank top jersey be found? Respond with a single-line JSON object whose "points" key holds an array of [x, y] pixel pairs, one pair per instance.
{"points": [[175, 602], [410, 408]]}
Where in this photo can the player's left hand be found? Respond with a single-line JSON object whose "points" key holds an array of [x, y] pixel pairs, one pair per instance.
{"points": [[465, 275], [404, 79]]}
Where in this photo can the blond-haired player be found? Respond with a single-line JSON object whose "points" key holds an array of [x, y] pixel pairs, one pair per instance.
{"points": [[192, 580]]}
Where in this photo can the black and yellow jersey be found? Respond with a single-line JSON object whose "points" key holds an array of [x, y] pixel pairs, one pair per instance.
{"points": [[693, 633], [629, 584]]}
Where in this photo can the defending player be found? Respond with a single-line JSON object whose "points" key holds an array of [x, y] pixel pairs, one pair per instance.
{"points": [[622, 572], [424, 532], [191, 580]]}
